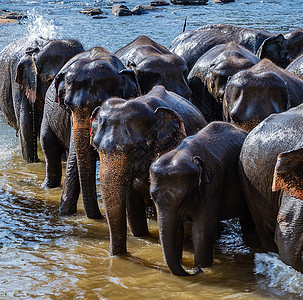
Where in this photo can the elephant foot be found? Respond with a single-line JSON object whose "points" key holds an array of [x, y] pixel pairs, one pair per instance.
{"points": [[67, 208], [197, 270], [50, 184], [95, 215], [140, 232]]}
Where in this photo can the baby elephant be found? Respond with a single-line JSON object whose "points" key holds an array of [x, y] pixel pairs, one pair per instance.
{"points": [[198, 181]]}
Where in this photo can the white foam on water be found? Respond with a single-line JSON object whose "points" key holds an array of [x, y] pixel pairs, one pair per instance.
{"points": [[277, 277], [40, 27]]}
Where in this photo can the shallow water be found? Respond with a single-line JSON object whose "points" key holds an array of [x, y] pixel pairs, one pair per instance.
{"points": [[46, 256]]}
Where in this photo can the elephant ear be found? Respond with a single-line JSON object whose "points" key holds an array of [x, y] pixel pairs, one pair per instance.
{"points": [[204, 176], [170, 129], [59, 82], [131, 87], [288, 173], [274, 48], [94, 124], [27, 75]]}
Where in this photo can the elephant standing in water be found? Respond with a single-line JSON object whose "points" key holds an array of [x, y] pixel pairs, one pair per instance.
{"points": [[198, 181], [271, 163], [252, 95], [193, 44], [282, 49], [155, 65], [129, 135], [27, 70], [209, 76], [81, 85]]}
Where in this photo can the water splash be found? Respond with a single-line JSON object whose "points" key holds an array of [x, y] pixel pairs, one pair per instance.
{"points": [[280, 278], [40, 27]]}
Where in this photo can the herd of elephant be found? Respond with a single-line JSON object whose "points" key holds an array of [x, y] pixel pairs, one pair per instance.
{"points": [[207, 130]]}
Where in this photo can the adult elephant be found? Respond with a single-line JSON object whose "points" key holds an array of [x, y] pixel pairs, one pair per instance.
{"points": [[193, 44], [198, 181], [282, 49], [209, 75], [271, 175], [82, 84], [155, 65], [129, 135], [27, 70], [252, 95]]}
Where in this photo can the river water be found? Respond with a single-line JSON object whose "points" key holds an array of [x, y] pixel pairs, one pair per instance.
{"points": [[46, 256]]}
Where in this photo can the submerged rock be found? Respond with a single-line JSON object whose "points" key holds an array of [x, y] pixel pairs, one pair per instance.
{"points": [[189, 2], [91, 11], [222, 1], [121, 10], [13, 16], [143, 9], [159, 3]]}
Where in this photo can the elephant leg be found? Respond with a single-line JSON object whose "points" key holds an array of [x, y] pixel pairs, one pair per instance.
{"points": [[53, 153], [247, 223], [71, 185], [136, 214], [204, 236], [261, 211], [288, 236]]}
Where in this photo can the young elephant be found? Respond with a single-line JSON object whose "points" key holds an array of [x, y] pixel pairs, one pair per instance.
{"points": [[199, 181], [129, 135], [155, 65], [271, 172]]}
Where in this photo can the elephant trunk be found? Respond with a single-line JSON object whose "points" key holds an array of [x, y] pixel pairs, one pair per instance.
{"points": [[168, 230], [114, 182], [86, 160], [28, 132]]}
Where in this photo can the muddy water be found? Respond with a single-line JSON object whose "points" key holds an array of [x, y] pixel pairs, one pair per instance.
{"points": [[46, 256]]}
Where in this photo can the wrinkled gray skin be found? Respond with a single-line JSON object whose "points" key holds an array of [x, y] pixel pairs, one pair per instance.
{"points": [[271, 164], [155, 65], [27, 70], [282, 49], [129, 135], [193, 44], [198, 181], [296, 67], [209, 76], [82, 84], [252, 95]]}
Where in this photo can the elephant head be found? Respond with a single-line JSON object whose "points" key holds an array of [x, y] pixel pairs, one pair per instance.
{"points": [[128, 136], [233, 59], [169, 70], [282, 49], [34, 74], [252, 95], [85, 83]]}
